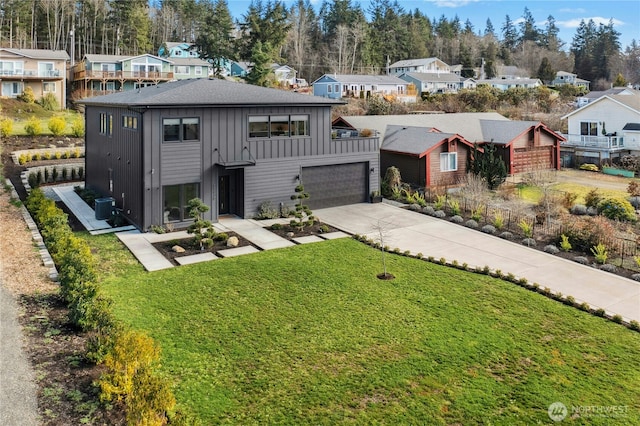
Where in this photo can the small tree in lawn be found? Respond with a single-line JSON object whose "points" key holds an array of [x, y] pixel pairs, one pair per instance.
{"points": [[202, 229], [302, 213]]}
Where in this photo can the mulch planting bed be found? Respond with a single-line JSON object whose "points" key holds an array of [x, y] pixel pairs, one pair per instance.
{"points": [[190, 247], [289, 232]]}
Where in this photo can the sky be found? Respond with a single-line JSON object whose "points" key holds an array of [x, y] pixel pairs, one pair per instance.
{"points": [[567, 13]]}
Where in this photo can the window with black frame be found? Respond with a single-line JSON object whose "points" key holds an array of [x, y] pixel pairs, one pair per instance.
{"points": [[180, 129]]}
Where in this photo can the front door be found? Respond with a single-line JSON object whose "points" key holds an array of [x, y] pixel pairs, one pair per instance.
{"points": [[223, 195]]}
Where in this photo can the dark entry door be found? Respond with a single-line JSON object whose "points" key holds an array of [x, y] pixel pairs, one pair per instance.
{"points": [[224, 195]]}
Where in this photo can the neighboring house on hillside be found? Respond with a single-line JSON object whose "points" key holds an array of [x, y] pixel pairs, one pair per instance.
{"points": [[603, 130], [424, 65], [185, 54], [45, 71], [240, 69], [438, 82], [433, 82], [190, 68], [233, 145], [425, 156], [524, 145], [506, 84], [284, 74], [183, 49], [100, 74], [563, 77], [511, 72], [338, 86]]}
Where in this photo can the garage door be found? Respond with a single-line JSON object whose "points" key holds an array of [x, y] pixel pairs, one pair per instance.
{"points": [[526, 160], [336, 185]]}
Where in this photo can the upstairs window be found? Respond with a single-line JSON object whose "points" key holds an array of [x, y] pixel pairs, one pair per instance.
{"points": [[180, 129], [129, 122], [278, 126], [106, 124]]}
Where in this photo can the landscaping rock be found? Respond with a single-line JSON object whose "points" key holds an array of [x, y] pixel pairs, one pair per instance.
{"points": [[506, 235], [457, 219], [233, 242], [579, 209], [290, 234], [592, 211], [529, 242], [635, 277], [428, 210], [440, 214], [607, 267], [471, 224], [551, 249], [177, 249], [489, 229], [415, 207], [581, 260]]}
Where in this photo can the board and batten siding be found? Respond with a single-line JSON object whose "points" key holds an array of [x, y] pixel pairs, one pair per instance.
{"points": [[121, 152], [439, 177], [269, 165]]}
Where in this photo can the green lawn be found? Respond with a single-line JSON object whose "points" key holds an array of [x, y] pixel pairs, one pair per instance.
{"points": [[309, 335]]}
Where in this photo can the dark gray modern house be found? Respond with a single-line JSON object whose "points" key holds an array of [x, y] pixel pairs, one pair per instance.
{"points": [[230, 144]]}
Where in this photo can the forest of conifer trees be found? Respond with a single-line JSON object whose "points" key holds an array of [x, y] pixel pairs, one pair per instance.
{"points": [[339, 36]]}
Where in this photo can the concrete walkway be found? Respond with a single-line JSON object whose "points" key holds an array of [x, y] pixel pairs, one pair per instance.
{"points": [[419, 233]]}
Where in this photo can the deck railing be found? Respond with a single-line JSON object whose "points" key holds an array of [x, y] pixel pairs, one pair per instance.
{"points": [[602, 142]]}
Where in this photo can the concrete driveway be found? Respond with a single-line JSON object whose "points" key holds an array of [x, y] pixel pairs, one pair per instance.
{"points": [[419, 233]]}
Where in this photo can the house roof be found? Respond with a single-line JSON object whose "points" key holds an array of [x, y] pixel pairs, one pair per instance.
{"points": [[600, 93], [364, 79], [414, 62], [565, 73], [444, 77], [631, 102], [511, 81], [206, 92], [120, 58], [466, 124], [632, 127], [412, 140], [190, 61], [61, 55], [503, 132]]}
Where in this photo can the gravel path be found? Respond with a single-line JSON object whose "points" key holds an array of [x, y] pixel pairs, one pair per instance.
{"points": [[18, 402]]}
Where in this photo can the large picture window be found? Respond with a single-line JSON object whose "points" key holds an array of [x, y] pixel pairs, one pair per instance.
{"points": [[176, 198], [278, 126], [180, 129], [448, 161]]}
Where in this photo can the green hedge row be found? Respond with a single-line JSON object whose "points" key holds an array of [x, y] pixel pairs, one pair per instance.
{"points": [[147, 396]]}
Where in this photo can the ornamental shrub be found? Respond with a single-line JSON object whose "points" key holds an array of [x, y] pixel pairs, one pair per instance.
{"points": [[27, 95], [77, 127], [6, 127], [57, 125], [33, 127], [617, 209], [49, 102]]}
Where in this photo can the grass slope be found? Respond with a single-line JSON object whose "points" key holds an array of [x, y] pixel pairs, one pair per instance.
{"points": [[308, 335]]}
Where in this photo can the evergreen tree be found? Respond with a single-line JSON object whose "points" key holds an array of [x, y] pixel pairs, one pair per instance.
{"points": [[215, 40], [488, 166], [489, 30], [606, 50], [582, 49], [528, 30], [550, 38], [620, 81], [267, 23], [260, 70], [545, 72], [509, 34]]}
